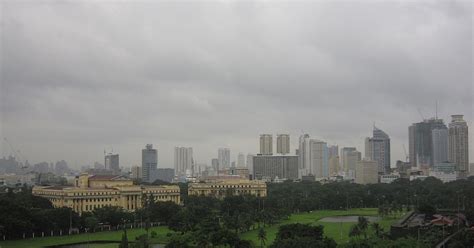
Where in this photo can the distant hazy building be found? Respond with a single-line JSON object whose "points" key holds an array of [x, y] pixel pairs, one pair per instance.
{"points": [[149, 162], [440, 145], [458, 144], [318, 158], [350, 157], [377, 148], [250, 163], [333, 151], [136, 172], [112, 162], [215, 164], [223, 156], [420, 145], [304, 155], [266, 144], [241, 160], [283, 144], [366, 172], [471, 169], [61, 168], [183, 161], [165, 174], [271, 167], [222, 188], [334, 167]]}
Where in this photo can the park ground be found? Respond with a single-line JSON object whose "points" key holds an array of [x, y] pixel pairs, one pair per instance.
{"points": [[337, 231]]}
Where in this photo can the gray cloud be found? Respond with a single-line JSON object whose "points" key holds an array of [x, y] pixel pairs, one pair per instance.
{"points": [[79, 76]]}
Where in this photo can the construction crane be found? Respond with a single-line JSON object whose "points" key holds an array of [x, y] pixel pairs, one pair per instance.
{"points": [[406, 155], [419, 112], [16, 153]]}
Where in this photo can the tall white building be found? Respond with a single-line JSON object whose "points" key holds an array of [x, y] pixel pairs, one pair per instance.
{"points": [[318, 158], [283, 144], [440, 145], [241, 160], [349, 157], [366, 172], [250, 163], [183, 161], [266, 144], [304, 155], [377, 148], [149, 162], [458, 144], [223, 157]]}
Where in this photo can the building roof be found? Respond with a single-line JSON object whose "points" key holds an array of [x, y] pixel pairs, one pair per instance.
{"points": [[106, 177]]}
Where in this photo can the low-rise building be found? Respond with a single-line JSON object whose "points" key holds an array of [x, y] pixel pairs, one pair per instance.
{"points": [[221, 188], [389, 178], [91, 191]]}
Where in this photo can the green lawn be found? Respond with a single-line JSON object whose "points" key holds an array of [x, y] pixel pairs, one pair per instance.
{"points": [[332, 230], [110, 236]]}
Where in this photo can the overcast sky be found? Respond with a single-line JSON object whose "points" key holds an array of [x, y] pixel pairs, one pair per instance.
{"points": [[78, 77]]}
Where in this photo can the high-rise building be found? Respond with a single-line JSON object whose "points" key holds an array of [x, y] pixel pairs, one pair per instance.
{"points": [[377, 148], [269, 167], [215, 164], [440, 145], [458, 144], [136, 172], [241, 160], [334, 167], [112, 162], [223, 156], [333, 151], [366, 172], [283, 144], [266, 144], [250, 163], [149, 162], [318, 158], [183, 161], [303, 155], [349, 158], [420, 145]]}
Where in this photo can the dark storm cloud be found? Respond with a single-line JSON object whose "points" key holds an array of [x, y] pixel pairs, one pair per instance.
{"points": [[79, 76]]}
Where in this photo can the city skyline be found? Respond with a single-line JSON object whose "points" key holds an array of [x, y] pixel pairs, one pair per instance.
{"points": [[208, 75]]}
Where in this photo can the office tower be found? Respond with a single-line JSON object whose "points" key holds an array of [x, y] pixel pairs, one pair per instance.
{"points": [[420, 145], [223, 156], [250, 163], [269, 167], [334, 167], [283, 144], [165, 174], [266, 144], [215, 164], [333, 151], [458, 144], [303, 155], [377, 148], [366, 172], [241, 160], [183, 161], [149, 163], [136, 172], [112, 162], [350, 156], [440, 145], [318, 158]]}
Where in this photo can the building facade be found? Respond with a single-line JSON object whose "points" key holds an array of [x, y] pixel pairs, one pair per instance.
{"points": [[318, 158], [149, 162], [420, 145], [112, 162], [222, 188], [440, 145], [183, 161], [266, 144], [458, 144], [366, 172], [223, 157], [136, 172], [241, 160], [377, 148], [350, 157], [283, 144], [267, 167], [91, 192]]}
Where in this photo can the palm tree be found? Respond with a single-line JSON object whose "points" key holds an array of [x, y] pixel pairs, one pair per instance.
{"points": [[377, 229], [355, 231], [363, 224], [262, 236]]}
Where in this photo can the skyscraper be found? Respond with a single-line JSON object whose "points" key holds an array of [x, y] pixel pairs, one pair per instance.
{"points": [[366, 172], [458, 144], [318, 158], [149, 162], [183, 161], [241, 160], [223, 157], [303, 155], [283, 144], [215, 164], [111, 162], [377, 149], [266, 144], [350, 156], [440, 145], [420, 144], [333, 161], [250, 163]]}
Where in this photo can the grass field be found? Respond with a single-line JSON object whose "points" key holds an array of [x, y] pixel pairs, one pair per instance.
{"points": [[109, 236], [332, 230]]}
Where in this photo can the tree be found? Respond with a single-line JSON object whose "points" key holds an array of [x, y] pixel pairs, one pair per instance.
{"points": [[262, 236], [91, 223], [124, 242]]}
